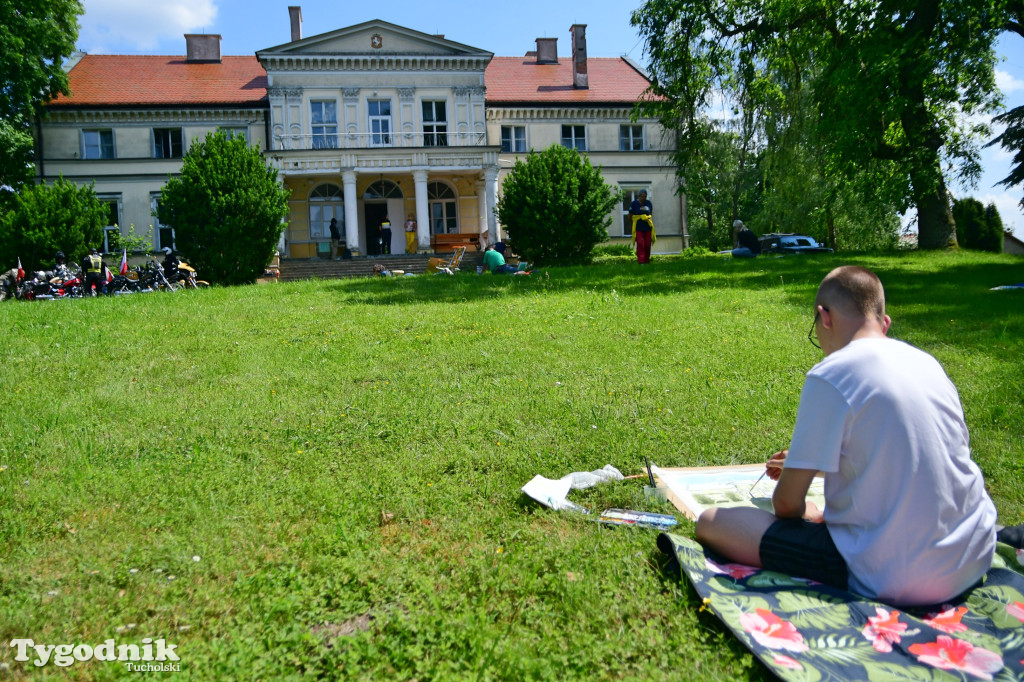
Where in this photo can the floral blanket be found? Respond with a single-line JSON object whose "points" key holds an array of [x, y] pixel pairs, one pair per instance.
{"points": [[803, 630]]}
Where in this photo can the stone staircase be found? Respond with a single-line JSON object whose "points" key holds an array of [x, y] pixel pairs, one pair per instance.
{"points": [[296, 269]]}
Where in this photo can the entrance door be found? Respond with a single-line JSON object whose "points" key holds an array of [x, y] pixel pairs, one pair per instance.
{"points": [[374, 215]]}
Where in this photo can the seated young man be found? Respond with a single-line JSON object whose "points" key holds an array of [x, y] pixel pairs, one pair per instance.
{"points": [[906, 519]]}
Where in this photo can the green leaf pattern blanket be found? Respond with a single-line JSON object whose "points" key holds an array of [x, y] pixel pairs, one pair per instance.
{"points": [[803, 630]]}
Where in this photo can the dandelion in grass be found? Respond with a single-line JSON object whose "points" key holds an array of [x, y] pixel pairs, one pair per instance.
{"points": [[133, 571], [196, 558], [171, 577]]}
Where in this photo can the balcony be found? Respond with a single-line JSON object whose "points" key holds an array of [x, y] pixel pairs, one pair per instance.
{"points": [[323, 154], [378, 140]]}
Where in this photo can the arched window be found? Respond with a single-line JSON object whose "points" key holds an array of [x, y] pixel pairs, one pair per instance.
{"points": [[383, 189], [325, 202], [444, 217]]}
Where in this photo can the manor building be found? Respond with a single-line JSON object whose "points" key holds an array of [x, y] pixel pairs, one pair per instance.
{"points": [[362, 123]]}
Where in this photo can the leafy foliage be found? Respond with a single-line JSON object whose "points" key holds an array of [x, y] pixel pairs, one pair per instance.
{"points": [[888, 84], [978, 227], [227, 209], [36, 36], [556, 207], [1012, 140], [46, 218]]}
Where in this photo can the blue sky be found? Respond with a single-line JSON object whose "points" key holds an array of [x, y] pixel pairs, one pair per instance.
{"points": [[133, 27]]}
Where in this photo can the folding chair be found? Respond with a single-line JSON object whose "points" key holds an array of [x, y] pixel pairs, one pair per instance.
{"points": [[449, 266]]}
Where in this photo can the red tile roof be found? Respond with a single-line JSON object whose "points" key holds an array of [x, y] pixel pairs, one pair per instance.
{"points": [[143, 80], [522, 80]]}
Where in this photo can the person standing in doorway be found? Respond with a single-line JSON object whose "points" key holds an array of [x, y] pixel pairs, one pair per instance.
{"points": [[385, 236], [335, 238], [410, 234], [643, 226]]}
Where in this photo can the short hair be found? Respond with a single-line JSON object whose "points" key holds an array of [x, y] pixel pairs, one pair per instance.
{"points": [[853, 289], [643, 192], [737, 225]]}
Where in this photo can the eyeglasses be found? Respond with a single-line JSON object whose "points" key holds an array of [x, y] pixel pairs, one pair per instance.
{"points": [[812, 335]]}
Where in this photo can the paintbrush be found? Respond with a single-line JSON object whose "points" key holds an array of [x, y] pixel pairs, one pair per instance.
{"points": [[767, 466]]}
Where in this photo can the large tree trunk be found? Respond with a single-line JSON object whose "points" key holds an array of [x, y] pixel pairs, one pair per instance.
{"points": [[935, 226]]}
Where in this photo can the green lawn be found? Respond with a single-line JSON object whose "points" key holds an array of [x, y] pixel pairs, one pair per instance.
{"points": [[322, 478]]}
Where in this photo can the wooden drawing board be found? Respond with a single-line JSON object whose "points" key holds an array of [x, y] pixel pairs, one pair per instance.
{"points": [[693, 489]]}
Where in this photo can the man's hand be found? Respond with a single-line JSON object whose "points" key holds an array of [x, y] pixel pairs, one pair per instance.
{"points": [[774, 466], [812, 513]]}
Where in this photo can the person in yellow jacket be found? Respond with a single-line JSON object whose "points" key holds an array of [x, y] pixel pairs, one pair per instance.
{"points": [[410, 234], [643, 226]]}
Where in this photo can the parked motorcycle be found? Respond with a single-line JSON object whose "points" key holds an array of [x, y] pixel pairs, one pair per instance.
{"points": [[187, 277]]}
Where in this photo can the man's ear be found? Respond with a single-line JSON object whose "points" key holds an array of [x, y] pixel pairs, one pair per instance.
{"points": [[886, 323], [826, 316]]}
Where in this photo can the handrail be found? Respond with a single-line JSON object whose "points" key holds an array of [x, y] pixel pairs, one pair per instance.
{"points": [[314, 141]]}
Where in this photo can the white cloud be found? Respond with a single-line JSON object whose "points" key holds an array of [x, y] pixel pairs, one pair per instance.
{"points": [[141, 25], [1007, 82]]}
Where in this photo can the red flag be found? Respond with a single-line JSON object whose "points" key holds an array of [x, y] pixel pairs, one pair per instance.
{"points": [[124, 262], [21, 270]]}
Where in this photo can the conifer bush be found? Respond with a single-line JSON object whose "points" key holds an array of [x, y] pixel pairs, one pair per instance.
{"points": [[556, 207], [227, 209]]}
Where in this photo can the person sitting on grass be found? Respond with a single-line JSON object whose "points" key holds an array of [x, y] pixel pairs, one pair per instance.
{"points": [[906, 519], [495, 263]]}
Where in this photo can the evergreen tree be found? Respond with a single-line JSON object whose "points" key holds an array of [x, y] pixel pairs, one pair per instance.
{"points": [[556, 207], [46, 218], [227, 209]]}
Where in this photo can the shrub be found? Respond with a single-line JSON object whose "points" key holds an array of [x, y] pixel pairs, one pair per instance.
{"points": [[44, 218], [613, 250], [556, 207], [227, 209], [977, 227], [697, 252]]}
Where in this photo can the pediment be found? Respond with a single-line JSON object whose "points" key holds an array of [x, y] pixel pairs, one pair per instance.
{"points": [[374, 38]]}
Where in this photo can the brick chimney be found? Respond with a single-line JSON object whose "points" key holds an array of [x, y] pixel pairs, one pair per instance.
{"points": [[547, 50], [295, 15], [202, 47], [580, 80]]}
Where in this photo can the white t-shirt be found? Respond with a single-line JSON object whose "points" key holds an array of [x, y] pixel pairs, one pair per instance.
{"points": [[904, 503]]}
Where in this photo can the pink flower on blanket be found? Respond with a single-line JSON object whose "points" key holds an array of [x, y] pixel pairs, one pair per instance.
{"points": [[1016, 609], [771, 631], [884, 630], [949, 653], [734, 571], [949, 620], [787, 662]]}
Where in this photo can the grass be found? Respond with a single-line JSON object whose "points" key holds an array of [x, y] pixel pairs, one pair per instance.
{"points": [[322, 478]]}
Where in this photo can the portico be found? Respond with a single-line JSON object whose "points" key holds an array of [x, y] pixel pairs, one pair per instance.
{"points": [[378, 120]]}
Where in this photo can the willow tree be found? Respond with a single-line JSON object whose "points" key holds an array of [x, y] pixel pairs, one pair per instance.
{"points": [[893, 81]]}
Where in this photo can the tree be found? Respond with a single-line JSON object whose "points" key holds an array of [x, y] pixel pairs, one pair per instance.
{"points": [[978, 227], [556, 207], [227, 209], [1012, 137], [46, 218], [36, 36], [892, 81]]}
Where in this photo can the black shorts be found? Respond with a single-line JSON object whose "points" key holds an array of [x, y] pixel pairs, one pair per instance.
{"points": [[805, 549]]}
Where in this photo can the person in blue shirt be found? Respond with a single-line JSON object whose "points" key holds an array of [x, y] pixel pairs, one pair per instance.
{"points": [[643, 226]]}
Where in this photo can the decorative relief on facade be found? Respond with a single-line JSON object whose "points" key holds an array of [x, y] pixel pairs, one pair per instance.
{"points": [[206, 116], [407, 94], [350, 93], [375, 62], [527, 114]]}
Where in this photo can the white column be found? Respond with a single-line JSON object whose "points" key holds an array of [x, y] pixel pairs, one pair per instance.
{"points": [[348, 181], [491, 180], [419, 180], [481, 209]]}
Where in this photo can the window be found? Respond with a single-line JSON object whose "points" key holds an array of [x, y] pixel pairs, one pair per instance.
{"points": [[240, 131], [513, 139], [325, 202], [631, 138], [97, 144], [380, 122], [166, 143], [164, 233], [111, 231], [383, 189], [324, 123], [574, 137], [435, 124], [442, 206], [628, 195]]}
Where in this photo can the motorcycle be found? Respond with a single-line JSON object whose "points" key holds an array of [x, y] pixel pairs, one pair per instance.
{"points": [[187, 277]]}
